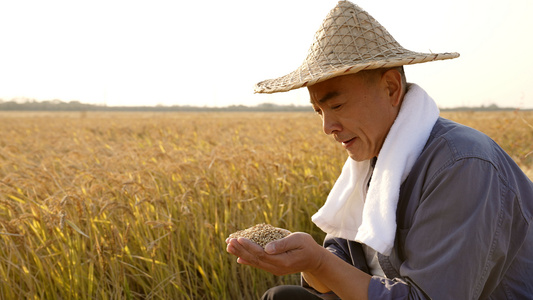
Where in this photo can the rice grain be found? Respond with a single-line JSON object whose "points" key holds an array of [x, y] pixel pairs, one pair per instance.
{"points": [[261, 234]]}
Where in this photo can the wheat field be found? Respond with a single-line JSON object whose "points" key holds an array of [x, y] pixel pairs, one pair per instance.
{"points": [[138, 205]]}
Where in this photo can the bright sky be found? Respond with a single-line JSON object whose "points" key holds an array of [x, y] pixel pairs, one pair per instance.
{"points": [[211, 53]]}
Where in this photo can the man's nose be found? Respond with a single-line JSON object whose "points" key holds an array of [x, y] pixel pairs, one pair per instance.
{"points": [[330, 124]]}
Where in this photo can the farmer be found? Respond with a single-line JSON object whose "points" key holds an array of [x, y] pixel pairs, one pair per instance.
{"points": [[423, 208]]}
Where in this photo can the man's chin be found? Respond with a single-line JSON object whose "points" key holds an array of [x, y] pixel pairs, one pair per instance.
{"points": [[357, 157]]}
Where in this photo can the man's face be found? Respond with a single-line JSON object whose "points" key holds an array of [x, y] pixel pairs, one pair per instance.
{"points": [[357, 110]]}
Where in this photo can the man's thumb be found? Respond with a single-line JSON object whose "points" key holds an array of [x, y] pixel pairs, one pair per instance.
{"points": [[279, 246], [270, 248]]}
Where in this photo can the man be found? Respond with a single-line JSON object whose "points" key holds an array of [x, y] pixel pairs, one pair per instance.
{"points": [[424, 207]]}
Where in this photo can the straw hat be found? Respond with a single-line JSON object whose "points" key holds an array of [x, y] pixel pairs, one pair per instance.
{"points": [[348, 41]]}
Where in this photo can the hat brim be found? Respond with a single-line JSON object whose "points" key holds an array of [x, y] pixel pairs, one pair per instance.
{"points": [[307, 75]]}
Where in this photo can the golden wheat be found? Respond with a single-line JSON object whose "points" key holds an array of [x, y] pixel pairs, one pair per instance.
{"points": [[138, 205]]}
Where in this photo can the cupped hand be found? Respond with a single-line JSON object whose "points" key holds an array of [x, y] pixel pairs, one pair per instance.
{"points": [[295, 253]]}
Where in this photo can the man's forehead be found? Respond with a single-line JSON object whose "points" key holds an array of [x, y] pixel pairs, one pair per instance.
{"points": [[325, 98], [326, 90]]}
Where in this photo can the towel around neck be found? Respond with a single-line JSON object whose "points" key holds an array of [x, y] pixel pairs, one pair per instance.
{"points": [[366, 213]]}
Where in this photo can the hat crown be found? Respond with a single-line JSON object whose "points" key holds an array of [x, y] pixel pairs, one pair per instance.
{"points": [[348, 33], [348, 41]]}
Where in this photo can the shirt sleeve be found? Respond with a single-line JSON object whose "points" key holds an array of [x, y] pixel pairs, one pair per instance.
{"points": [[457, 236], [349, 251]]}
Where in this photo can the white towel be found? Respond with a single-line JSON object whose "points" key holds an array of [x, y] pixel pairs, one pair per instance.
{"points": [[350, 211]]}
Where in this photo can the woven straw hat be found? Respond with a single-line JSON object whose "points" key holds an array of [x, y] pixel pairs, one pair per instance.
{"points": [[348, 41]]}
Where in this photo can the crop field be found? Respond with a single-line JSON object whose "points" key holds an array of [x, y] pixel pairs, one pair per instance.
{"points": [[138, 205]]}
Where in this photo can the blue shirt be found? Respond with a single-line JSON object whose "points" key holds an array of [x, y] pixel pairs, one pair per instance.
{"points": [[464, 224]]}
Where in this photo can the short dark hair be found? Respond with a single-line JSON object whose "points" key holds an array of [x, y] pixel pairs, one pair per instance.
{"points": [[404, 79], [367, 75]]}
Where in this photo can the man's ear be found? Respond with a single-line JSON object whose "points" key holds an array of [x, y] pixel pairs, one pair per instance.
{"points": [[394, 84]]}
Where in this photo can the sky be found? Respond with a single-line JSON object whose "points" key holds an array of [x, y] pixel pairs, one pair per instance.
{"points": [[211, 53]]}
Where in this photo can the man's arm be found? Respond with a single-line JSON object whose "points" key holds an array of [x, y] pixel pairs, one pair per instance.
{"points": [[342, 278], [315, 283]]}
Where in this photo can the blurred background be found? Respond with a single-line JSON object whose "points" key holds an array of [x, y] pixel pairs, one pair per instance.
{"points": [[211, 53]]}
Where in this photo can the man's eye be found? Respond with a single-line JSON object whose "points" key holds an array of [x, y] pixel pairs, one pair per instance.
{"points": [[336, 106]]}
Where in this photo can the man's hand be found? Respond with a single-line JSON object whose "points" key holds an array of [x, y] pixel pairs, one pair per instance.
{"points": [[295, 253], [299, 252]]}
